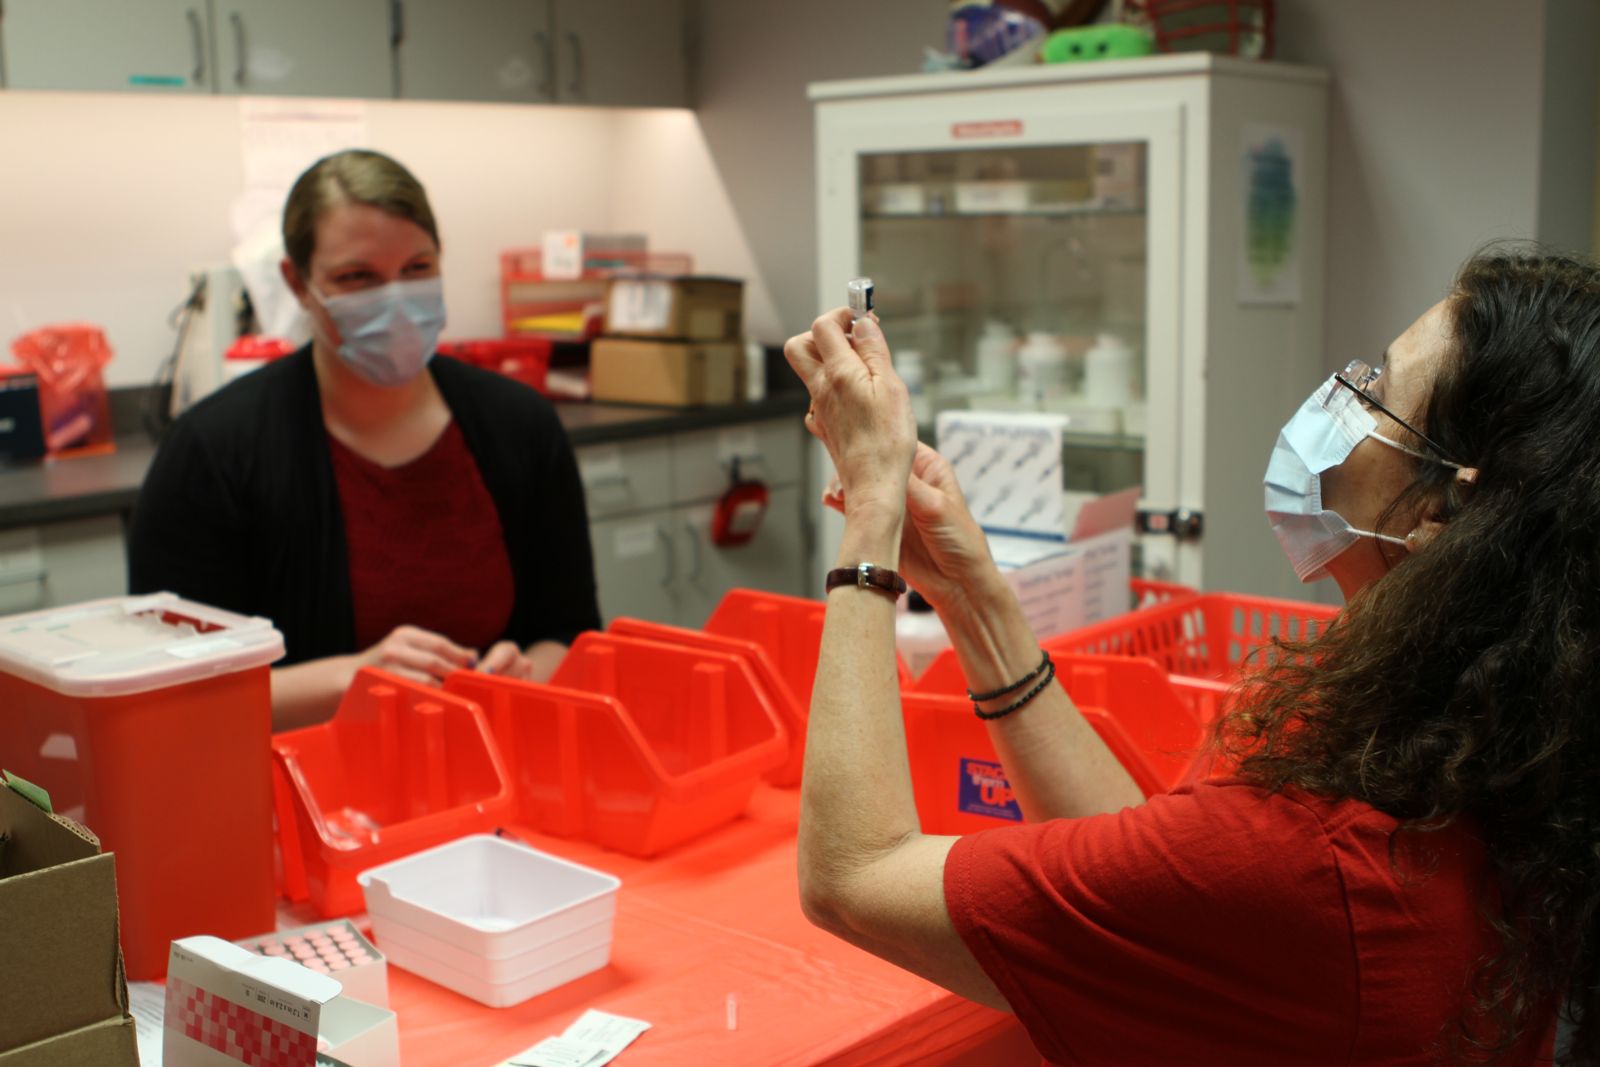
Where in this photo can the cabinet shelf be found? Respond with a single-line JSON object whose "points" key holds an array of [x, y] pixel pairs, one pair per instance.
{"points": [[1038, 211]]}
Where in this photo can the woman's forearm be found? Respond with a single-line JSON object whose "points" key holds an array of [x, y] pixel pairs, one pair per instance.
{"points": [[309, 693], [1057, 764], [856, 801]]}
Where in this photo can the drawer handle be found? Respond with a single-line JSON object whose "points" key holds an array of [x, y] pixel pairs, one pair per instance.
{"points": [[198, 45], [239, 67], [28, 577], [694, 551], [666, 554]]}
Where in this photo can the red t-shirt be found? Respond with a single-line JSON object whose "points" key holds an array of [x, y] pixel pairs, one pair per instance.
{"points": [[424, 544], [1219, 924]]}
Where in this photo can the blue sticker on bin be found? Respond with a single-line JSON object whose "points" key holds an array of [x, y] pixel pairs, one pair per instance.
{"points": [[985, 790]]}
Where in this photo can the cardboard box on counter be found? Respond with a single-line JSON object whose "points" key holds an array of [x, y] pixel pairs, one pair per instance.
{"points": [[685, 309], [61, 979], [675, 373], [225, 1003]]}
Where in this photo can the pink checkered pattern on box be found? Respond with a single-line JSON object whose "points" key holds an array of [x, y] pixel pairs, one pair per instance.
{"points": [[234, 1030]]}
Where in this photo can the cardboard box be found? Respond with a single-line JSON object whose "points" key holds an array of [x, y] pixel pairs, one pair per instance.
{"points": [[676, 373], [224, 1001], [684, 309], [1067, 557], [1063, 585], [65, 997]]}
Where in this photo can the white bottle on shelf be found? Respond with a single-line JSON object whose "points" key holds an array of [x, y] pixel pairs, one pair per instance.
{"points": [[1042, 367], [1108, 372], [918, 634], [996, 364]]}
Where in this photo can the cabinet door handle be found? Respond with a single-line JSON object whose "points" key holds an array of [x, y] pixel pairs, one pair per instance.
{"points": [[666, 554], [198, 42], [547, 88], [28, 577], [694, 551], [397, 23], [575, 83], [238, 42]]}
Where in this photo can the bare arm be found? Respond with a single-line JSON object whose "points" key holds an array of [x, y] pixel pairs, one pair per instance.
{"points": [[1057, 764], [309, 693], [867, 872]]}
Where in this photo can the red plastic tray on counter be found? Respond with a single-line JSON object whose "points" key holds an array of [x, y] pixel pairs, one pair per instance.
{"points": [[1202, 641], [400, 767], [524, 359], [778, 693], [635, 745]]}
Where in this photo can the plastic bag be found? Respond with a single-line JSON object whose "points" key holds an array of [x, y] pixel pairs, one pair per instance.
{"points": [[72, 392]]}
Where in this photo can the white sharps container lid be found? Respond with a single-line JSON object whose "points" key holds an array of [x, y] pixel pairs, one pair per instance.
{"points": [[134, 644]]}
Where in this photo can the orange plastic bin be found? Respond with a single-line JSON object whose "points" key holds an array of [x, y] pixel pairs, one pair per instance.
{"points": [[147, 718], [960, 785], [635, 745], [399, 768], [788, 627], [777, 690]]}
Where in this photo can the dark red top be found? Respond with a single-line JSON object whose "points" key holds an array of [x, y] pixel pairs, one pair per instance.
{"points": [[425, 545], [1221, 925]]}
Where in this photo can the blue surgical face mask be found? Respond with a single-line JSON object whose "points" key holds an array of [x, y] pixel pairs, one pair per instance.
{"points": [[1320, 436], [388, 333]]}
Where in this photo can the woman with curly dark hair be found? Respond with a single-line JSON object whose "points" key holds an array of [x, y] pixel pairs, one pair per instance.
{"points": [[1394, 858]]}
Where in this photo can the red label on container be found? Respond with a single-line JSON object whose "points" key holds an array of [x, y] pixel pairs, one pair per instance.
{"points": [[993, 128]]}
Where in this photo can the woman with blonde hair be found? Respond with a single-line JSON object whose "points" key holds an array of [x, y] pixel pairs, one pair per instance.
{"points": [[382, 505]]}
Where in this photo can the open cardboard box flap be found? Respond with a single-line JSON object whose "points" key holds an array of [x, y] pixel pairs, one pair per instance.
{"points": [[60, 960]]}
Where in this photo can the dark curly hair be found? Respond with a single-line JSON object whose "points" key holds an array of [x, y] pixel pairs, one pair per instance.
{"points": [[1465, 684]]}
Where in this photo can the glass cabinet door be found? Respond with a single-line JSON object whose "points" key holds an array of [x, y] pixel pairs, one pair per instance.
{"points": [[1014, 279]]}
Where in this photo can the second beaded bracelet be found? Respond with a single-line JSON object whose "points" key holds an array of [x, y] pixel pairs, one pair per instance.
{"points": [[1049, 669]]}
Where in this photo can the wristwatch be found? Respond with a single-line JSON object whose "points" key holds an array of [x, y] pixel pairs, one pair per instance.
{"points": [[866, 576]]}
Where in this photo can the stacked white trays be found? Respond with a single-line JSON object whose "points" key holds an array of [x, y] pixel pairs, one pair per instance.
{"points": [[495, 921]]}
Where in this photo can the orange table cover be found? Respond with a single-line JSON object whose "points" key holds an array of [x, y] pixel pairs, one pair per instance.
{"points": [[716, 916]]}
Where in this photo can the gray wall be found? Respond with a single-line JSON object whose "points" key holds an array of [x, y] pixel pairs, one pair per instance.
{"points": [[1440, 139], [755, 60]]}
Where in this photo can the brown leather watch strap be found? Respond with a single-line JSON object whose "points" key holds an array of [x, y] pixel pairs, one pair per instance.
{"points": [[866, 576]]}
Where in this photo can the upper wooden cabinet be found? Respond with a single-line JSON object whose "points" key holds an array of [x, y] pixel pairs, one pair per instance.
{"points": [[474, 50], [161, 46], [629, 53], [303, 47], [606, 52]]}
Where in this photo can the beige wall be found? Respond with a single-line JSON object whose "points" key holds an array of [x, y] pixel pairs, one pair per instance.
{"points": [[107, 201]]}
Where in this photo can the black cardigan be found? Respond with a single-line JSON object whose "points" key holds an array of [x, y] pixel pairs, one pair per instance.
{"points": [[240, 509]]}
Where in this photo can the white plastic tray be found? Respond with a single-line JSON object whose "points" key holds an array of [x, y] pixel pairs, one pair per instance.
{"points": [[490, 918]]}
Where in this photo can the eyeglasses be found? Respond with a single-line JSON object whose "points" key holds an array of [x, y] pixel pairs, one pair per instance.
{"points": [[1359, 377]]}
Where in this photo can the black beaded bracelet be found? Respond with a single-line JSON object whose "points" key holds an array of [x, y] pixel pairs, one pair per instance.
{"points": [[1014, 686], [1049, 676]]}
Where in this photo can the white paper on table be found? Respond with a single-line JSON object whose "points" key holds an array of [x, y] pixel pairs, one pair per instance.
{"points": [[147, 1003], [593, 1040]]}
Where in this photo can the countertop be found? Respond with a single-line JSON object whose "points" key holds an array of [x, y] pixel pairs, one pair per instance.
{"points": [[99, 485]]}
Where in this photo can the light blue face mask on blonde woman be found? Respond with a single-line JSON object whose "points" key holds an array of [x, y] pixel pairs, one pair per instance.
{"points": [[1318, 437], [388, 333]]}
